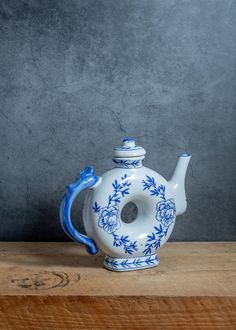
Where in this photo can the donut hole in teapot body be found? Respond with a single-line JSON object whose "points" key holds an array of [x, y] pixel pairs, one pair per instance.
{"points": [[129, 212]]}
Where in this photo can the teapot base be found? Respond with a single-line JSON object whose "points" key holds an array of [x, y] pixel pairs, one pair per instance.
{"points": [[128, 264]]}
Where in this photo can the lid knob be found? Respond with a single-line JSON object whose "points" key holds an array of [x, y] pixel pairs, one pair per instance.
{"points": [[128, 142]]}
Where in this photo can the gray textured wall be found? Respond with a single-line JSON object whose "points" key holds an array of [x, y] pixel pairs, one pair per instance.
{"points": [[77, 76]]}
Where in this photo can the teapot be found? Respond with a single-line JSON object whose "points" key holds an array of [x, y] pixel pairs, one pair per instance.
{"points": [[127, 246]]}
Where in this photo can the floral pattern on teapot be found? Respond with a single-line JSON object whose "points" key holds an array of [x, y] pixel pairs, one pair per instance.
{"points": [[109, 216], [165, 214]]}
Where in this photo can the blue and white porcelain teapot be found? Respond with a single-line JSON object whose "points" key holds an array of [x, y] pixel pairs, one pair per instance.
{"points": [[127, 246]]}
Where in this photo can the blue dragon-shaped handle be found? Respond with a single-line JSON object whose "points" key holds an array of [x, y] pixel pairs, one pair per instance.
{"points": [[87, 179]]}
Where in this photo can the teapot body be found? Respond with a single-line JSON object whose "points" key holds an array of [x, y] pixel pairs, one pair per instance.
{"points": [[127, 246], [130, 245]]}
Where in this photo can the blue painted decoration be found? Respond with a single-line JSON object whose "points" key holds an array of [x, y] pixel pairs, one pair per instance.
{"points": [[127, 163], [131, 263], [109, 216], [165, 214]]}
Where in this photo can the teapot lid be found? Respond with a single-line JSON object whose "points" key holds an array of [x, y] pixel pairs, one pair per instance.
{"points": [[129, 149]]}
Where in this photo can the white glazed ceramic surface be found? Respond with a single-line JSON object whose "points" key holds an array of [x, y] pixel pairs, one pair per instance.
{"points": [[128, 246], [141, 227]]}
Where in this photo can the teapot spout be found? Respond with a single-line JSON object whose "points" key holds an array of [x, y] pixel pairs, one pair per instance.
{"points": [[177, 183]]}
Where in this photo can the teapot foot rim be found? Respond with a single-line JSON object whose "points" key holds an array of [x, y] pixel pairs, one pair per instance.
{"points": [[131, 263]]}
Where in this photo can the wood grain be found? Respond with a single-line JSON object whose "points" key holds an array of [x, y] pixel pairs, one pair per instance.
{"points": [[59, 286], [185, 269], [41, 313]]}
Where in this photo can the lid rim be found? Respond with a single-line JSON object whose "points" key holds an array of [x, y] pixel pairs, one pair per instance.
{"points": [[130, 157], [128, 150]]}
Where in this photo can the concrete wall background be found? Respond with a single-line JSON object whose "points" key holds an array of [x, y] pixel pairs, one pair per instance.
{"points": [[78, 76]]}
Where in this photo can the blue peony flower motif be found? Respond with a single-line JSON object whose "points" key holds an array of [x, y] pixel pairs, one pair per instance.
{"points": [[109, 219], [166, 211]]}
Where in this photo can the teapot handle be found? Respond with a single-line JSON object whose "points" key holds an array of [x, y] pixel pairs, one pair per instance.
{"points": [[87, 179]]}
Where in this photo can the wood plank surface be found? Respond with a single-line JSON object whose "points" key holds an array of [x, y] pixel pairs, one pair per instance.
{"points": [[60, 286], [40, 313], [185, 269]]}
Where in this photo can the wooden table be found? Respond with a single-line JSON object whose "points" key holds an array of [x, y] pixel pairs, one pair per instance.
{"points": [[59, 286]]}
